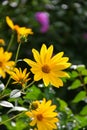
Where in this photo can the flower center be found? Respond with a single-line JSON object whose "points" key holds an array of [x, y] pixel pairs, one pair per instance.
{"points": [[46, 69], [39, 117]]}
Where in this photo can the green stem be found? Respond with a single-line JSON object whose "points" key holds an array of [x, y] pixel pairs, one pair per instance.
{"points": [[17, 52], [3, 96], [11, 41], [5, 86], [28, 85], [11, 118], [7, 82]]}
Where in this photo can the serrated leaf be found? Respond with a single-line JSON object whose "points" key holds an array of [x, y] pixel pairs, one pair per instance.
{"points": [[79, 97], [75, 84], [6, 104], [17, 108], [15, 93], [84, 110]]}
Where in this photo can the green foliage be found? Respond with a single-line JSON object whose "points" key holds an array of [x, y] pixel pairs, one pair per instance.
{"points": [[33, 93], [79, 97]]}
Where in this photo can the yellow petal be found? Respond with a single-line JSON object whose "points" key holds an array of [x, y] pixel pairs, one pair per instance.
{"points": [[33, 122], [57, 57], [10, 22], [37, 76], [46, 79], [30, 62], [2, 42], [49, 53], [8, 55], [36, 55], [43, 52], [57, 82]]}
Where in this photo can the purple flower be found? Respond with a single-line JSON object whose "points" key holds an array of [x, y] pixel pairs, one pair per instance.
{"points": [[43, 19]]}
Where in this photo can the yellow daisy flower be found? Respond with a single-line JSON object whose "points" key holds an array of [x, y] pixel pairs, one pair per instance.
{"points": [[48, 68], [44, 117], [19, 76], [2, 42], [21, 31], [5, 64]]}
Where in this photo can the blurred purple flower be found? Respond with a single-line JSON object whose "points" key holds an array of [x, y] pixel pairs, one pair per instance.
{"points": [[43, 19], [85, 36]]}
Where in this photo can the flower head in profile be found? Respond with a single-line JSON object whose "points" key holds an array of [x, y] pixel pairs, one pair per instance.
{"points": [[47, 67], [20, 77], [43, 19], [44, 117], [22, 32], [5, 64], [2, 42]]}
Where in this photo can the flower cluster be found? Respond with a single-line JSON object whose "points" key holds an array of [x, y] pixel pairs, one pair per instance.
{"points": [[46, 67]]}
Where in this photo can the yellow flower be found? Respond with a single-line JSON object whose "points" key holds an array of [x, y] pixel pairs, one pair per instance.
{"points": [[23, 33], [48, 68], [5, 64], [11, 24], [2, 42], [44, 117], [19, 76]]}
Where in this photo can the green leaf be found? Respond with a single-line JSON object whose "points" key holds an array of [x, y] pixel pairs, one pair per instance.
{"points": [[33, 93], [84, 72], [79, 97], [75, 84], [82, 120], [74, 74], [62, 103], [64, 106], [80, 68], [84, 110], [85, 80]]}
